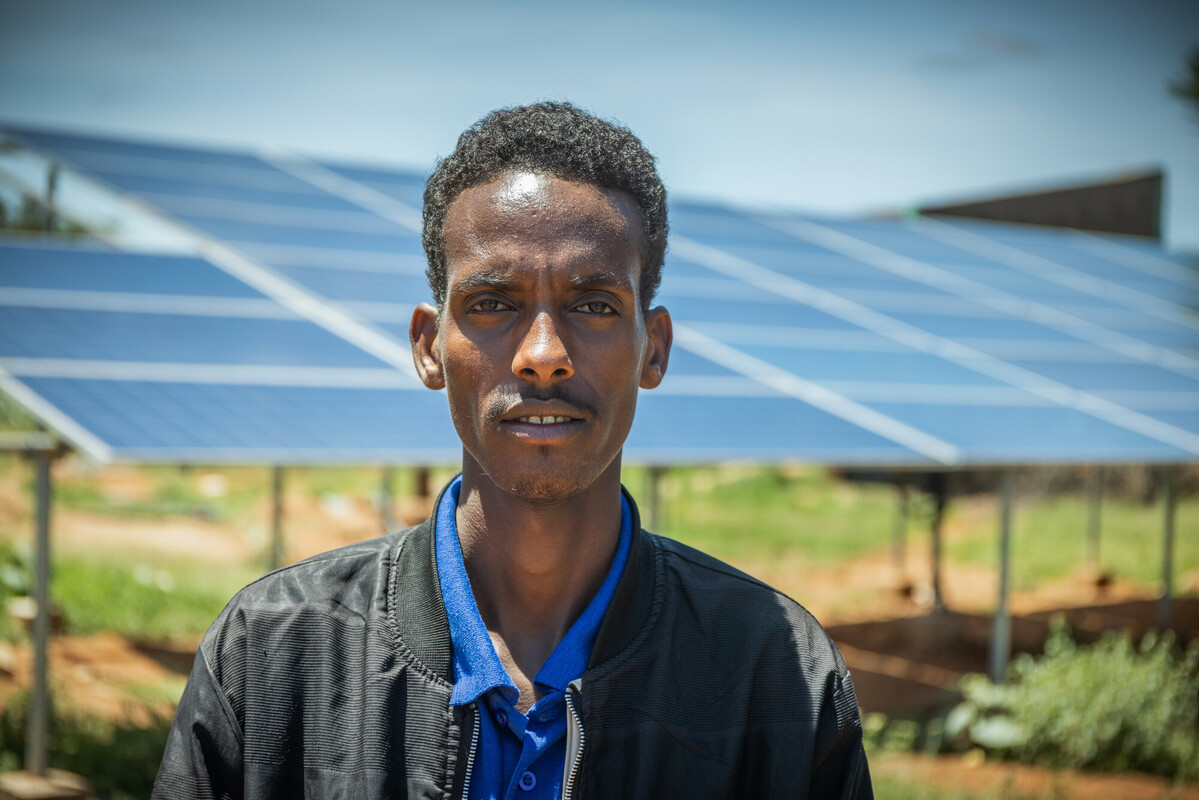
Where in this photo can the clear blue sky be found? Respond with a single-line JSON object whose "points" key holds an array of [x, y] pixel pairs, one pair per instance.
{"points": [[833, 108]]}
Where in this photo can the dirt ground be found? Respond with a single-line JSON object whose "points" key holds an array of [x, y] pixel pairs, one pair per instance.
{"points": [[903, 655]]}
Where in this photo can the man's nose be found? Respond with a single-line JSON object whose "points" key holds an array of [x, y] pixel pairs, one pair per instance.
{"points": [[541, 355]]}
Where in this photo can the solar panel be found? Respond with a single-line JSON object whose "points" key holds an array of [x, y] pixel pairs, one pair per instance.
{"points": [[847, 342]]}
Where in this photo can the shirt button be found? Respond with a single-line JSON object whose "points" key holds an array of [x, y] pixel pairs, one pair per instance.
{"points": [[501, 719], [528, 781]]}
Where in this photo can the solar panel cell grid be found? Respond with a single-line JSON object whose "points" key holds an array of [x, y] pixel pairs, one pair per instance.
{"points": [[697, 428], [406, 188], [804, 306], [1004, 434], [776, 313], [89, 269], [900, 366], [394, 241], [1111, 375], [65, 143], [162, 338], [341, 285]]}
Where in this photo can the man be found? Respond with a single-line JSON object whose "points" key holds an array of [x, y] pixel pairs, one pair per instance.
{"points": [[528, 640]]}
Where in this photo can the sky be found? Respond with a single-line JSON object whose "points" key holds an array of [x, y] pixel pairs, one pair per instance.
{"points": [[836, 109]]}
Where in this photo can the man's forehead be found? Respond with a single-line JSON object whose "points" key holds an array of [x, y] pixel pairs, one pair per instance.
{"points": [[526, 199], [529, 218]]}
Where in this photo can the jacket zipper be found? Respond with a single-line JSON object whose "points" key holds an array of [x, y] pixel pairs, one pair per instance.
{"points": [[574, 742], [470, 755]]}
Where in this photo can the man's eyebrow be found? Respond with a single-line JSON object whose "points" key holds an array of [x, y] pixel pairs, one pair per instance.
{"points": [[602, 280], [485, 279]]}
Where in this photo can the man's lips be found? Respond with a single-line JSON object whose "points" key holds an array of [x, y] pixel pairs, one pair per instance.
{"points": [[543, 412], [546, 420], [541, 420]]}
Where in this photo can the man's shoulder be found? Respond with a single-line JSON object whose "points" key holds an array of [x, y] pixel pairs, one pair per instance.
{"points": [[343, 587], [692, 565], [313, 606], [324, 575], [720, 594]]}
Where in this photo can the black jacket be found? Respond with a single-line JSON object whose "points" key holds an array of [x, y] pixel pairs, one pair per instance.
{"points": [[332, 678]]}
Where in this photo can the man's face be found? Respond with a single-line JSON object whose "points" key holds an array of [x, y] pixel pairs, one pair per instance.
{"points": [[542, 344]]}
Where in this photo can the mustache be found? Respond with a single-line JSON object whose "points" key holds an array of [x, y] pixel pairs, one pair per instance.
{"points": [[506, 399]]}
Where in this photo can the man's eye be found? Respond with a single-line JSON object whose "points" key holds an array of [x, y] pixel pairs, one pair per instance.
{"points": [[597, 307], [490, 304]]}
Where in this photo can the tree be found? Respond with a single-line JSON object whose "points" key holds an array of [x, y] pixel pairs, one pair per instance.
{"points": [[1187, 87]]}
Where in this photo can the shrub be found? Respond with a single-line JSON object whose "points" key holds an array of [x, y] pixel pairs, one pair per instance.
{"points": [[1106, 706], [118, 758]]}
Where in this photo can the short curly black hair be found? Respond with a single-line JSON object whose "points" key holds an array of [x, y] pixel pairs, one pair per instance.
{"points": [[556, 139]]}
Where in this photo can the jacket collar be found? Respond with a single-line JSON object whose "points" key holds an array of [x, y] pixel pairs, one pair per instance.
{"points": [[415, 606]]}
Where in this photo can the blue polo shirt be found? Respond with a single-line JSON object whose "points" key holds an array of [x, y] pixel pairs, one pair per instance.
{"points": [[520, 757]]}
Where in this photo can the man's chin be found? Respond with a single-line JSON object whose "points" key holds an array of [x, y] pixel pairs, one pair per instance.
{"points": [[544, 486]]}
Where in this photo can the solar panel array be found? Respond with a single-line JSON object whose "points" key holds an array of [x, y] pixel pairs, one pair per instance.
{"points": [[912, 342]]}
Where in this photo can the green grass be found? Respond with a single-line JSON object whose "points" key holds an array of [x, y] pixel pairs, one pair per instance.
{"points": [[894, 789], [175, 490], [761, 513], [13, 416], [144, 602], [1049, 540], [737, 513], [750, 512], [174, 494], [733, 512]]}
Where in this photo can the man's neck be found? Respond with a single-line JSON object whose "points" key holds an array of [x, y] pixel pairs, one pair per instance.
{"points": [[534, 567]]}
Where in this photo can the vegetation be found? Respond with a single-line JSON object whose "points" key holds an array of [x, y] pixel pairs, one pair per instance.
{"points": [[1107, 706], [16, 580], [1049, 539], [30, 215], [735, 512], [793, 517], [142, 601], [118, 758], [1186, 88], [12, 416]]}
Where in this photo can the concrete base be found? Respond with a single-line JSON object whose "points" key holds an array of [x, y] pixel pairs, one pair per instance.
{"points": [[56, 785]]}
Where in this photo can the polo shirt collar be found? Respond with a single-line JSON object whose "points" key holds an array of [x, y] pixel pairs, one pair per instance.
{"points": [[476, 666]]}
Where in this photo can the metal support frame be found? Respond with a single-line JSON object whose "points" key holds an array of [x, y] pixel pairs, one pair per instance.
{"points": [[940, 500], [657, 513], [899, 543], [1165, 610], [387, 499], [38, 725], [41, 448], [422, 482], [1001, 626], [51, 190], [276, 558], [1094, 504]]}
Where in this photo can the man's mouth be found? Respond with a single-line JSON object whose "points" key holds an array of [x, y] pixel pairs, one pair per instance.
{"points": [[534, 420]]}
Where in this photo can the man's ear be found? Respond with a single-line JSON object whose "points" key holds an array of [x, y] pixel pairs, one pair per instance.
{"points": [[661, 334], [426, 350]]}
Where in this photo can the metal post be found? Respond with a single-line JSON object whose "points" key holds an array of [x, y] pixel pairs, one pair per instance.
{"points": [[1094, 493], [422, 482], [656, 512], [1001, 627], [51, 190], [276, 517], [1165, 611], [899, 554], [940, 499], [387, 499], [38, 724]]}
